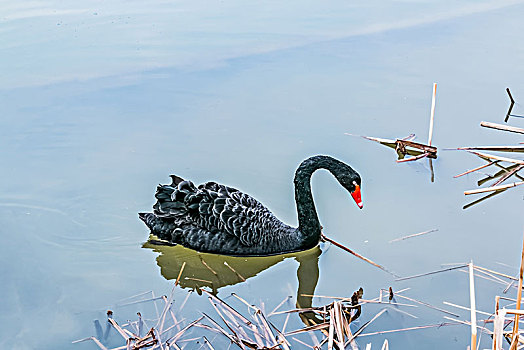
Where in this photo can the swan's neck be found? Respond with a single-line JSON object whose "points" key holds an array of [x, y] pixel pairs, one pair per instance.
{"points": [[308, 223]]}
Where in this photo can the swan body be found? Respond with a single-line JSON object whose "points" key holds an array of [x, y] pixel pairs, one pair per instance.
{"points": [[219, 219]]}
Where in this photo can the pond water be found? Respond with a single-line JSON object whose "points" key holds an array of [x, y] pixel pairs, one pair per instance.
{"points": [[101, 101]]}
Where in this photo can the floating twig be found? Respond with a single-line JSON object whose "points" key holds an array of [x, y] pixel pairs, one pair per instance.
{"points": [[509, 174], [235, 271], [503, 159], [180, 273], [365, 325], [427, 305], [473, 308], [357, 255], [502, 127], [515, 335], [477, 168], [491, 148], [431, 273], [494, 188], [95, 340], [413, 235], [208, 267], [434, 96], [420, 156]]}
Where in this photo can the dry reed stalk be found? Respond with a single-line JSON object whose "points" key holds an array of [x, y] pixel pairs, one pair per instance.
{"points": [[467, 323], [498, 329], [254, 308], [509, 174], [234, 324], [493, 276], [316, 327], [185, 300], [235, 271], [285, 323], [504, 170], [301, 310], [167, 307], [413, 235], [281, 338], [154, 303], [466, 308], [431, 273], [175, 325], [376, 139], [225, 321], [339, 323], [430, 151], [198, 280], [239, 326], [135, 296], [502, 159], [427, 305], [331, 332], [226, 306], [473, 308], [366, 301], [494, 188], [267, 329], [496, 273], [95, 340], [208, 267], [120, 330], [222, 331], [140, 324], [357, 255], [208, 343], [410, 328], [180, 273], [404, 312], [491, 148], [279, 305], [487, 278], [349, 299], [177, 336], [515, 312], [303, 343], [475, 169], [365, 325], [420, 156], [510, 284], [515, 335], [352, 343], [433, 100], [502, 127]]}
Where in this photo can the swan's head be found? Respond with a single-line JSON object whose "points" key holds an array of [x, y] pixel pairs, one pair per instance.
{"points": [[351, 181]]}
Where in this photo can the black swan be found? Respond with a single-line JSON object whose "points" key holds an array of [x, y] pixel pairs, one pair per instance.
{"points": [[218, 219]]}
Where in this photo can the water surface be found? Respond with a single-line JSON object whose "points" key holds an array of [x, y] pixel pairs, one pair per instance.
{"points": [[101, 101]]}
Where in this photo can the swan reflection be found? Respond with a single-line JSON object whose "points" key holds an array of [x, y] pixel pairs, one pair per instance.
{"points": [[217, 271]]}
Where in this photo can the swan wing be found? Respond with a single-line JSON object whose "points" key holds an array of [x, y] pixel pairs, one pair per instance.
{"points": [[216, 208]]}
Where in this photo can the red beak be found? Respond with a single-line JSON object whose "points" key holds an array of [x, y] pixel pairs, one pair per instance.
{"points": [[356, 196]]}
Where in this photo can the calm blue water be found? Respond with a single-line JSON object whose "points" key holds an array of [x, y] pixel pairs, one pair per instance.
{"points": [[101, 101]]}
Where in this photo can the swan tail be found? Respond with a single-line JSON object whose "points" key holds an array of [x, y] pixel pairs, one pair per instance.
{"points": [[162, 228]]}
